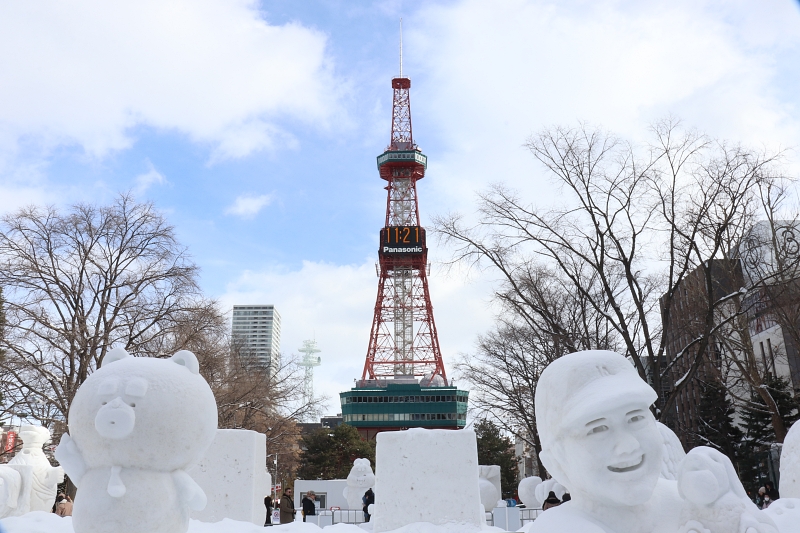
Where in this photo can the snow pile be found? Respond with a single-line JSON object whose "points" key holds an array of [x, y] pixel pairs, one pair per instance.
{"points": [[40, 522]]}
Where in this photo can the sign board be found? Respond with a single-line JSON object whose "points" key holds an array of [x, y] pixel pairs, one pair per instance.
{"points": [[11, 441], [276, 516], [402, 240]]}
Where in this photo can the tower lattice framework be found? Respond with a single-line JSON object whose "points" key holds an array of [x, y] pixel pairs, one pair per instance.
{"points": [[403, 339]]}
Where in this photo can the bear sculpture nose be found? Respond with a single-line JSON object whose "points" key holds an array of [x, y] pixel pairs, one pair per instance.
{"points": [[115, 420]]}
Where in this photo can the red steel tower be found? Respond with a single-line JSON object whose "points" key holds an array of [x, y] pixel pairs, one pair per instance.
{"points": [[403, 339]]}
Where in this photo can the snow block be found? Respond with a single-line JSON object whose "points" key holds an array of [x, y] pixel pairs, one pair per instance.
{"points": [[426, 475], [234, 477]]}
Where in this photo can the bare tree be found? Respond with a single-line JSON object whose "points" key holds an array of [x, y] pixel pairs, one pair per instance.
{"points": [[79, 282], [248, 396], [633, 225], [543, 318]]}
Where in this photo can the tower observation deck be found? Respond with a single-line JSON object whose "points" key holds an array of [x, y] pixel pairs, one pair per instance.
{"points": [[404, 362]]}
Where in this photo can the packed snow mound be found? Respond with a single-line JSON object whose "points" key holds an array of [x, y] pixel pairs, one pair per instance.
{"points": [[426, 475], [41, 522]]}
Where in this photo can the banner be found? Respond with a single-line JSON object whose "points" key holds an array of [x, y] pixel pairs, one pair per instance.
{"points": [[11, 441]]}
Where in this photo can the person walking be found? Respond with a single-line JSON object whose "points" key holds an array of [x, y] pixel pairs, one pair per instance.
{"points": [[287, 507], [368, 499], [268, 505], [309, 508]]}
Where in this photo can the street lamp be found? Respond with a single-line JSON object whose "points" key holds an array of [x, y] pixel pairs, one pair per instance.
{"points": [[275, 481]]}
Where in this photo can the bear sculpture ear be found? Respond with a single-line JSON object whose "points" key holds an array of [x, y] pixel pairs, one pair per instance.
{"points": [[115, 355], [187, 359]]}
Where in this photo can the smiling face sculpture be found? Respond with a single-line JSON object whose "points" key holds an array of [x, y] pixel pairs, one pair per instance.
{"points": [[599, 438]]}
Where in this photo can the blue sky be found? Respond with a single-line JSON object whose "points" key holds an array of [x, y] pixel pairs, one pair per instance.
{"points": [[255, 125]]}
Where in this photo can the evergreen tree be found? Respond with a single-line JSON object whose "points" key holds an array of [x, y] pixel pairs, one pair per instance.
{"points": [[330, 455], [495, 449], [716, 427], [759, 434]]}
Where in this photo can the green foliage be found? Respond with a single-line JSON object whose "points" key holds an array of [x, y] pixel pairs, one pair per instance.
{"points": [[495, 449], [330, 455], [759, 434]]}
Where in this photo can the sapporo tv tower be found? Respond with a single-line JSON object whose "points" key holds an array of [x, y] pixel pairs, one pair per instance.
{"points": [[404, 383]]}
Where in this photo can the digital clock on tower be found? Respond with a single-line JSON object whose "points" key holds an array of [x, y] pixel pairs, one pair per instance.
{"points": [[396, 240]]}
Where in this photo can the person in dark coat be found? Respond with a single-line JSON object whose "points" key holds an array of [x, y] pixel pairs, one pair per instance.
{"points": [[309, 508], [772, 492], [287, 507], [268, 505], [551, 501], [368, 499]]}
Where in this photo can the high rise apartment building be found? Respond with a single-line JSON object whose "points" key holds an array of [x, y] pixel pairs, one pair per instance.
{"points": [[258, 328]]}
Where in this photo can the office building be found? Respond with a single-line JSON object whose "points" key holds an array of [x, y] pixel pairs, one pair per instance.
{"points": [[258, 329]]}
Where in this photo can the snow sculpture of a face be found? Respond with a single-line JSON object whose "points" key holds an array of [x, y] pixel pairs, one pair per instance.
{"points": [[135, 426], [599, 438]]}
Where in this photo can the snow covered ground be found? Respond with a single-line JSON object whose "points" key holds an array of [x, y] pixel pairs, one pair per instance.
{"points": [[40, 522]]}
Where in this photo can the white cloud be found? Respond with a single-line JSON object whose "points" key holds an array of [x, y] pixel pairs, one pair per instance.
{"points": [[148, 179], [248, 206], [85, 73], [334, 304], [490, 74]]}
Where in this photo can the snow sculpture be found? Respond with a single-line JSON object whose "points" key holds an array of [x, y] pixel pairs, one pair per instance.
{"points": [[786, 510], [546, 486], [135, 426], [600, 440], [15, 489], [790, 463], [45, 476], [489, 485], [527, 491], [359, 480], [427, 475]]}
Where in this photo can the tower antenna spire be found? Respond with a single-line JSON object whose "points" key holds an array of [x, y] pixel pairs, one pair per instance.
{"points": [[401, 47]]}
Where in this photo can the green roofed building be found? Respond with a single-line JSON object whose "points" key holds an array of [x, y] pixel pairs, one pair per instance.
{"points": [[387, 406]]}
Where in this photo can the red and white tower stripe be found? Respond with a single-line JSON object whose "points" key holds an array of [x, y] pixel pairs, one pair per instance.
{"points": [[403, 339]]}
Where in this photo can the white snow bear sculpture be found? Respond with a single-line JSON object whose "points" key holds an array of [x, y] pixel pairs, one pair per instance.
{"points": [[135, 426], [359, 480], [45, 476]]}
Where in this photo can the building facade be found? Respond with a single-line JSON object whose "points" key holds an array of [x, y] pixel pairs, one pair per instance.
{"points": [[258, 330], [388, 406]]}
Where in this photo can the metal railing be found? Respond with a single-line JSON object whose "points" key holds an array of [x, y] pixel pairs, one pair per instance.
{"points": [[527, 515]]}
